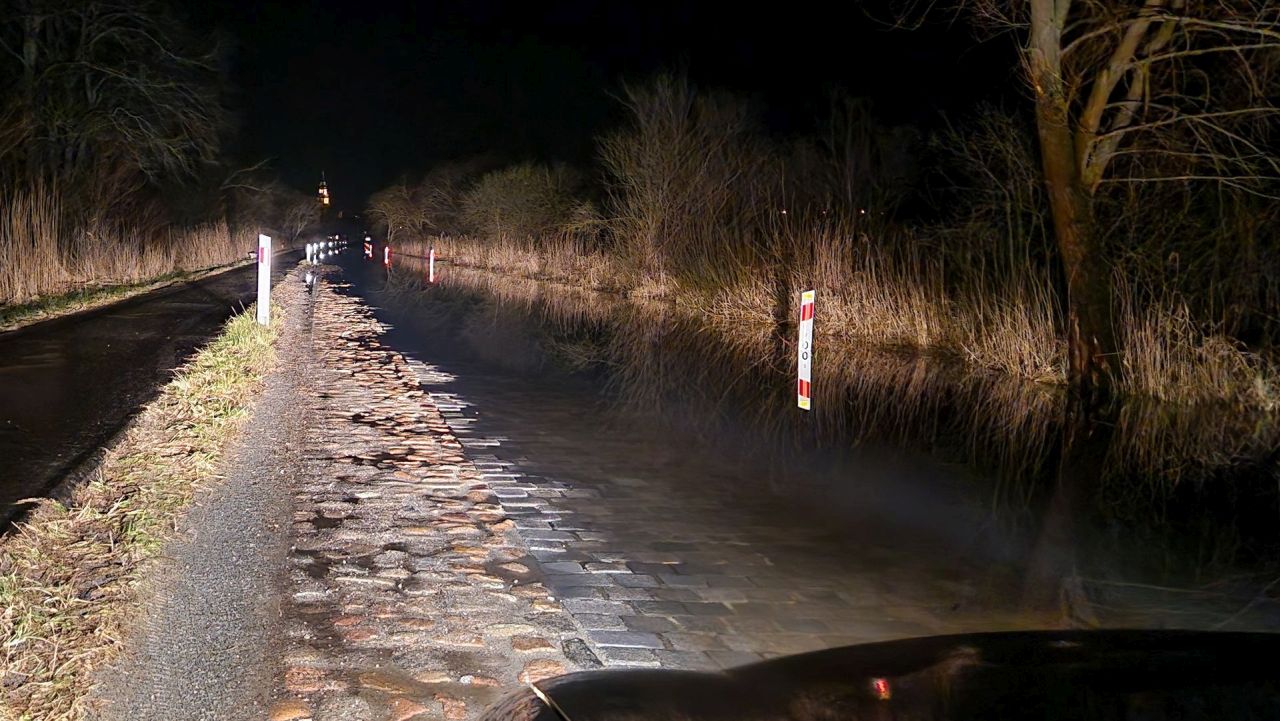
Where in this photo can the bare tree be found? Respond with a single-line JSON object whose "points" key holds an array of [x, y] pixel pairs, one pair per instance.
{"points": [[521, 202], [1153, 91], [681, 175], [441, 194], [867, 166], [991, 164], [396, 208], [104, 97], [301, 211]]}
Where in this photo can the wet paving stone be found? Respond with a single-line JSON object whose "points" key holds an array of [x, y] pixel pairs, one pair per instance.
{"points": [[693, 579], [413, 593]]}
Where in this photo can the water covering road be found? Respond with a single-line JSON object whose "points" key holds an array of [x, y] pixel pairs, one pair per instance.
{"points": [[68, 385], [958, 497]]}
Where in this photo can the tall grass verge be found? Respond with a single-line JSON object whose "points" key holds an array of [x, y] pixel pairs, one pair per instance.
{"points": [[1170, 356], [66, 573], [42, 254], [31, 260], [872, 295]]}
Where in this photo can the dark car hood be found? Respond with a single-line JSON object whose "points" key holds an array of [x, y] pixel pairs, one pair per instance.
{"points": [[1043, 675]]}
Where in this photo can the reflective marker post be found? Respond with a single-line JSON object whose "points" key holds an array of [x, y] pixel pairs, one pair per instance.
{"points": [[804, 362], [264, 279], [431, 266]]}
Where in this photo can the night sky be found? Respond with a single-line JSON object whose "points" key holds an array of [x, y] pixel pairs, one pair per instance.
{"points": [[370, 90]]}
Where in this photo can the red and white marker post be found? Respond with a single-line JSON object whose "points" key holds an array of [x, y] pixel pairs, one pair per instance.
{"points": [[386, 255], [431, 266], [264, 279], [804, 361]]}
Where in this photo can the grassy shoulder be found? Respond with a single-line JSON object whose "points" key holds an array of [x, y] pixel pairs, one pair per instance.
{"points": [[47, 307], [67, 572]]}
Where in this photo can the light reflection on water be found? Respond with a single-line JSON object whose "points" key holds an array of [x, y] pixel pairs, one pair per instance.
{"points": [[1103, 514]]}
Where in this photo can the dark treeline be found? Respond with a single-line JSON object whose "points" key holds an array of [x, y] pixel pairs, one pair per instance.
{"points": [[113, 163], [1115, 230]]}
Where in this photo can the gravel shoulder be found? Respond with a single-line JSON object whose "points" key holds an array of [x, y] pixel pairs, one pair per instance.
{"points": [[206, 644]]}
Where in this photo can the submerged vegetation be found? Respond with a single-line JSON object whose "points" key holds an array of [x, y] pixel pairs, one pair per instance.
{"points": [[863, 393], [66, 570], [942, 240]]}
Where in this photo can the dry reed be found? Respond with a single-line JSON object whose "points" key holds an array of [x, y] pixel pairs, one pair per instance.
{"points": [[41, 255]]}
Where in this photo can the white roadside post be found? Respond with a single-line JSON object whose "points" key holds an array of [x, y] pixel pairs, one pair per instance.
{"points": [[264, 279], [804, 361], [431, 266]]}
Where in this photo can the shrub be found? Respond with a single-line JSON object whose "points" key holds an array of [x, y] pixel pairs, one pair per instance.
{"points": [[521, 202]]}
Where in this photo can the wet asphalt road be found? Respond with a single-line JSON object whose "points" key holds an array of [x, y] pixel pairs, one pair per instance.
{"points": [[68, 385]]}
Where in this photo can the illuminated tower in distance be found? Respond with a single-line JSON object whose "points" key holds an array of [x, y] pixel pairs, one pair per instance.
{"points": [[322, 194]]}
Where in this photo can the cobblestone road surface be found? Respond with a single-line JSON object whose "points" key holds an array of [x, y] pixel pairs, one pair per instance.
{"points": [[412, 593], [677, 575]]}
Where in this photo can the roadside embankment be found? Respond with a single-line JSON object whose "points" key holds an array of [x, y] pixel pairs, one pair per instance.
{"points": [[69, 571], [203, 643]]}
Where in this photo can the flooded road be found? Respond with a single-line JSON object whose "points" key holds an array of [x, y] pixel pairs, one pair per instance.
{"points": [[681, 504], [68, 385]]}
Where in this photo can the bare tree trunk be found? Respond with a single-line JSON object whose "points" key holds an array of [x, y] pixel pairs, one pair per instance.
{"points": [[1091, 346]]}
